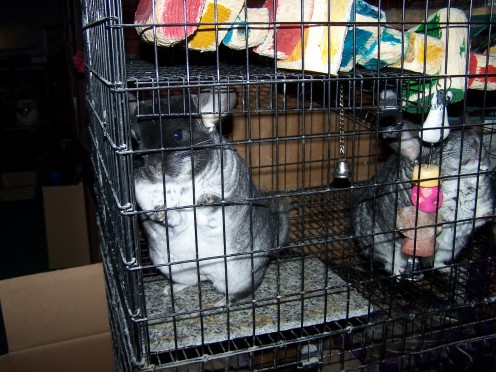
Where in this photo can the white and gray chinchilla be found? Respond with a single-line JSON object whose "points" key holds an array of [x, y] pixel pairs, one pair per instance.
{"points": [[466, 187], [213, 217]]}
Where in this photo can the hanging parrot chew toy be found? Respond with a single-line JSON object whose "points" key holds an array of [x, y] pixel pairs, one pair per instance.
{"points": [[418, 222], [331, 36]]}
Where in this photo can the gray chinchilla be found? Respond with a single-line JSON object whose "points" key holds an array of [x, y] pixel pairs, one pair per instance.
{"points": [[210, 222], [465, 185]]}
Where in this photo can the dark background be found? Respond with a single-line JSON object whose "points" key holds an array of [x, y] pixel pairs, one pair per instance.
{"points": [[37, 42]]}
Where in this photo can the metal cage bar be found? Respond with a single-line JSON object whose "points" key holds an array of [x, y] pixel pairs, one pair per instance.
{"points": [[323, 303]]}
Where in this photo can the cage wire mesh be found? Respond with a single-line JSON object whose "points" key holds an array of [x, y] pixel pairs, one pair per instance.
{"points": [[316, 97]]}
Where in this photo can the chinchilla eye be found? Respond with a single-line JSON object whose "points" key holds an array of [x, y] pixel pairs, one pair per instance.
{"points": [[177, 135]]}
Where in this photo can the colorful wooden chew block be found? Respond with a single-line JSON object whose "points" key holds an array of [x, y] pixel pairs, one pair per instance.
{"points": [[423, 53], [323, 41], [362, 35], [215, 22], [290, 18], [386, 51], [450, 27], [172, 12], [482, 65], [436, 47], [426, 175], [415, 224], [250, 29], [419, 248]]}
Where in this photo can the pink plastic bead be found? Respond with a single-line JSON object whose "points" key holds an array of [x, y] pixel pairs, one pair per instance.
{"points": [[429, 198]]}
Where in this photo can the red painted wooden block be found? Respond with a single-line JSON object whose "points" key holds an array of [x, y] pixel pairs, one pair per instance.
{"points": [[183, 22], [484, 67], [286, 34]]}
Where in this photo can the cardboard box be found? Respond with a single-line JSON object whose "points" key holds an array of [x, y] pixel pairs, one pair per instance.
{"points": [[57, 321], [18, 186], [66, 226]]}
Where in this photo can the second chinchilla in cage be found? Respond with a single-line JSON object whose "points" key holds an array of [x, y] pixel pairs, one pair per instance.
{"points": [[214, 224], [465, 185]]}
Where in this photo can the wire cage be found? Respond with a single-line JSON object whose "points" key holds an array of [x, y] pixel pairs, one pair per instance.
{"points": [[314, 99]]}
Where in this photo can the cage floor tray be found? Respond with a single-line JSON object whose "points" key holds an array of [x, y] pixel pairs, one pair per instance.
{"points": [[307, 293]]}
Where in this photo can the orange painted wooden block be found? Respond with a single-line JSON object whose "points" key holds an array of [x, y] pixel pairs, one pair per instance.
{"points": [[423, 53], [216, 20]]}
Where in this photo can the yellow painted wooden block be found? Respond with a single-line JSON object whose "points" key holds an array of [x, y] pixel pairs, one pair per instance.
{"points": [[424, 54], [426, 175], [323, 40], [215, 22]]}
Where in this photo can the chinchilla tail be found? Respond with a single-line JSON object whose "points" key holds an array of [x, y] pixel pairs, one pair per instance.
{"points": [[280, 210]]}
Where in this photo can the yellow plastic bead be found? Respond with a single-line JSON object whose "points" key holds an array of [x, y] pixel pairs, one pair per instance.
{"points": [[428, 176]]}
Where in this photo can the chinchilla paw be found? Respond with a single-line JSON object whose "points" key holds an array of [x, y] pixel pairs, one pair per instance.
{"points": [[208, 199], [160, 216]]}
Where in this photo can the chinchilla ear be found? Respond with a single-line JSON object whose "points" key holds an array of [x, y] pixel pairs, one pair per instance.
{"points": [[213, 104], [406, 141]]}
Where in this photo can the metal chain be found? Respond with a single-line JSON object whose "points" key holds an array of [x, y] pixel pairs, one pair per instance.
{"points": [[341, 123]]}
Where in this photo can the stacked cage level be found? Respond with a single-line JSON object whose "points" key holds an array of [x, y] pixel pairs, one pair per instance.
{"points": [[323, 304]]}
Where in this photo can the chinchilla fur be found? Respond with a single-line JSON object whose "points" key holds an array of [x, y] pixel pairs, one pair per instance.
{"points": [[466, 186], [202, 215]]}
